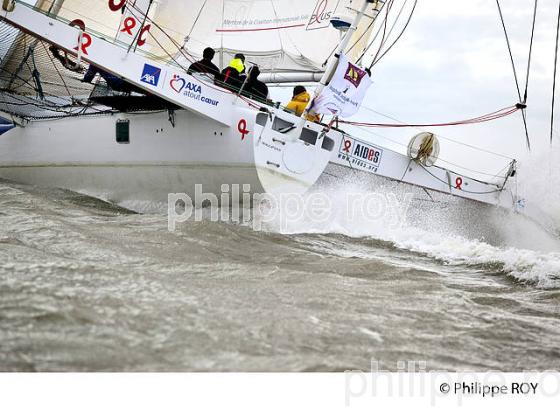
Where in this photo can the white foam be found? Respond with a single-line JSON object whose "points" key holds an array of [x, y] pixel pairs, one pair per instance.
{"points": [[483, 236]]}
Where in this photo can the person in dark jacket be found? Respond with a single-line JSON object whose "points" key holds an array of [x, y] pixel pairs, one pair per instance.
{"points": [[114, 82], [254, 88], [234, 74], [205, 66]]}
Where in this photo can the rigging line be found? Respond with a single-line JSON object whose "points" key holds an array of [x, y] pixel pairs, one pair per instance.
{"points": [[398, 37], [523, 114], [509, 50], [554, 79], [483, 118], [361, 37], [373, 21], [189, 58], [399, 14], [375, 35], [367, 30], [385, 21], [171, 39], [366, 49], [57, 70], [497, 175], [367, 131], [136, 38], [530, 51], [179, 48], [463, 190], [187, 38], [439, 136]]}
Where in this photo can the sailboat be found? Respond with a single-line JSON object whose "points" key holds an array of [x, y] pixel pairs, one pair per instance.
{"points": [[178, 130]]}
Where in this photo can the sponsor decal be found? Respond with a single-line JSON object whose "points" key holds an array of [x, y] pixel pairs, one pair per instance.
{"points": [[86, 41], [354, 75], [177, 83], [321, 16], [128, 25], [114, 6], [142, 36], [346, 91], [150, 75], [360, 154], [190, 90], [242, 128]]}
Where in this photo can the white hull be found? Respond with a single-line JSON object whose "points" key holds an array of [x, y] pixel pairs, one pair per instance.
{"points": [[82, 154], [218, 138]]}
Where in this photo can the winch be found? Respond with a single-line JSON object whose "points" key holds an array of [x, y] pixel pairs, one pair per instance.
{"points": [[424, 149]]}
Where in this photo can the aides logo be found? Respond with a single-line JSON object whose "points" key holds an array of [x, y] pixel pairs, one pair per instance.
{"points": [[360, 154], [178, 84], [322, 14], [150, 75], [354, 75]]}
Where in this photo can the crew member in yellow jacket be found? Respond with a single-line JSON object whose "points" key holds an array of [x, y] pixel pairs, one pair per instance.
{"points": [[299, 102]]}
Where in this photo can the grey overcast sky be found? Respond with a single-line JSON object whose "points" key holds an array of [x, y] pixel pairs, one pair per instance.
{"points": [[452, 63]]}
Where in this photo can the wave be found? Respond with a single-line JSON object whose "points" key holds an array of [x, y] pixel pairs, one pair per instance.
{"points": [[450, 230]]}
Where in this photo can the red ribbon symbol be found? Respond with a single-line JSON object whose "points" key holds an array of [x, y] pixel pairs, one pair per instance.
{"points": [[129, 24], [78, 23], [242, 128], [86, 42], [458, 183], [141, 37], [347, 145], [116, 7]]}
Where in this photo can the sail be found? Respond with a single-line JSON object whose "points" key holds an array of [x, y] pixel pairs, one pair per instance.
{"points": [[278, 35], [289, 39], [95, 14]]}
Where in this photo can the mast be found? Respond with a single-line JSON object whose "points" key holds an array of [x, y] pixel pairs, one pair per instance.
{"points": [[333, 61]]}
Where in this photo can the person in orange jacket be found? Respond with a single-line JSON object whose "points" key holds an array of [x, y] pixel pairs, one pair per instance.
{"points": [[299, 102]]}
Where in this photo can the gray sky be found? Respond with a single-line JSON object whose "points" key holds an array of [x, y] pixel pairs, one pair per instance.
{"points": [[452, 63]]}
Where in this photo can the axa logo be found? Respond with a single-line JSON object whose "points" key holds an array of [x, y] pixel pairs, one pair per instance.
{"points": [[150, 75], [178, 84], [322, 14], [354, 75]]}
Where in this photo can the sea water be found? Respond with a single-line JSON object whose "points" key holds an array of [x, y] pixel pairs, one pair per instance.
{"points": [[90, 286]]}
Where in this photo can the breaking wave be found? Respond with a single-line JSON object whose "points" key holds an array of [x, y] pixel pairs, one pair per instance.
{"points": [[450, 230]]}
